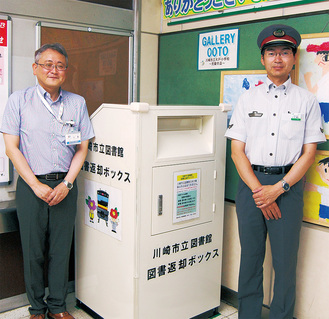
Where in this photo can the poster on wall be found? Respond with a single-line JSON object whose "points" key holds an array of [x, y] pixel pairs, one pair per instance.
{"points": [[313, 71], [103, 208], [5, 167], [186, 195], [218, 50], [235, 83], [316, 191]]}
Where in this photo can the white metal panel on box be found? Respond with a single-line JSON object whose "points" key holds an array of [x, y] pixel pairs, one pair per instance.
{"points": [[150, 212]]}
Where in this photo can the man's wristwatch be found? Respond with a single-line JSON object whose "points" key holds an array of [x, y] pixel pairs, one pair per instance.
{"points": [[68, 184], [285, 185]]}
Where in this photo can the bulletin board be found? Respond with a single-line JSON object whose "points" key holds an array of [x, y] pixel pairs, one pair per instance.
{"points": [[180, 82], [99, 62]]}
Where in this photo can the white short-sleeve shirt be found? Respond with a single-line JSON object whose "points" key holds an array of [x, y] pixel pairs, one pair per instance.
{"points": [[42, 136], [275, 122]]}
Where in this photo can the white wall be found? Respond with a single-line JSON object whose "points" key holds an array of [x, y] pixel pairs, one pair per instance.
{"points": [[313, 273], [150, 29]]}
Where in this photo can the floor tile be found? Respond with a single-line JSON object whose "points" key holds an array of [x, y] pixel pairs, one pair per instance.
{"points": [[226, 310]]}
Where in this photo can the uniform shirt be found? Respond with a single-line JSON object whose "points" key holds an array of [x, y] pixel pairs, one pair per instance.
{"points": [[42, 136], [275, 122]]}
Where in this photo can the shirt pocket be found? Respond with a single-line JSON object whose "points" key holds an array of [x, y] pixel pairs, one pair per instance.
{"points": [[256, 124], [293, 125]]}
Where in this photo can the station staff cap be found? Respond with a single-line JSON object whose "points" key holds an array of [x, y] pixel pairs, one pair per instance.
{"points": [[278, 34]]}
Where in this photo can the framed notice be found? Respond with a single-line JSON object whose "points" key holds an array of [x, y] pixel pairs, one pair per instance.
{"points": [[5, 59], [218, 50], [186, 195]]}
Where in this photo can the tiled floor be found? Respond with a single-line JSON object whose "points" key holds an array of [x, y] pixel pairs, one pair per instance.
{"points": [[225, 310]]}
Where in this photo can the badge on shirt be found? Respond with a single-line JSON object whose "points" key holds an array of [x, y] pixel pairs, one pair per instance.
{"points": [[255, 114], [73, 138], [296, 116]]}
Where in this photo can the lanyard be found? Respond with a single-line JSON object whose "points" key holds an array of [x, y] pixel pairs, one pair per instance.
{"points": [[46, 104]]}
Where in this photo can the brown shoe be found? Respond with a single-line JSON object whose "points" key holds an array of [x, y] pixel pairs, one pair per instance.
{"points": [[39, 316], [64, 315]]}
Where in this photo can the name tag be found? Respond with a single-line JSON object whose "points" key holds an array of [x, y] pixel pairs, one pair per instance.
{"points": [[296, 116], [73, 138]]}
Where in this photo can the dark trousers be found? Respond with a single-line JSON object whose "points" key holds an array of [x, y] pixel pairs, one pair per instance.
{"points": [[45, 231], [284, 240]]}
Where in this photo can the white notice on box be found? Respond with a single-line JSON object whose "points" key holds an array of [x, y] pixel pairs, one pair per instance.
{"points": [[187, 195]]}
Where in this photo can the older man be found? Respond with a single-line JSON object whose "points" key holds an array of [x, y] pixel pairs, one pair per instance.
{"points": [[46, 132]]}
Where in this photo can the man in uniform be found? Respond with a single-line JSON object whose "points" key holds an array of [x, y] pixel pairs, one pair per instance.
{"points": [[46, 132], [274, 130]]}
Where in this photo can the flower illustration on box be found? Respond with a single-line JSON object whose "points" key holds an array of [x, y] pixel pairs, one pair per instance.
{"points": [[114, 214], [92, 207]]}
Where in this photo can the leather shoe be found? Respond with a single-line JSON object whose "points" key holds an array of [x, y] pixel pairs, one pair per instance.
{"points": [[39, 316], [64, 315]]}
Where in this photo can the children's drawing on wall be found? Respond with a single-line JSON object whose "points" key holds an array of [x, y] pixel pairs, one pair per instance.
{"points": [[314, 71], [316, 191], [234, 83], [103, 207]]}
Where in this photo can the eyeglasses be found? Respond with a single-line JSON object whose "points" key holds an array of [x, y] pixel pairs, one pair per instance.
{"points": [[283, 54], [50, 66]]}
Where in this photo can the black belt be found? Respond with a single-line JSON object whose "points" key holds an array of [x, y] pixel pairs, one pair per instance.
{"points": [[52, 176], [272, 170]]}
